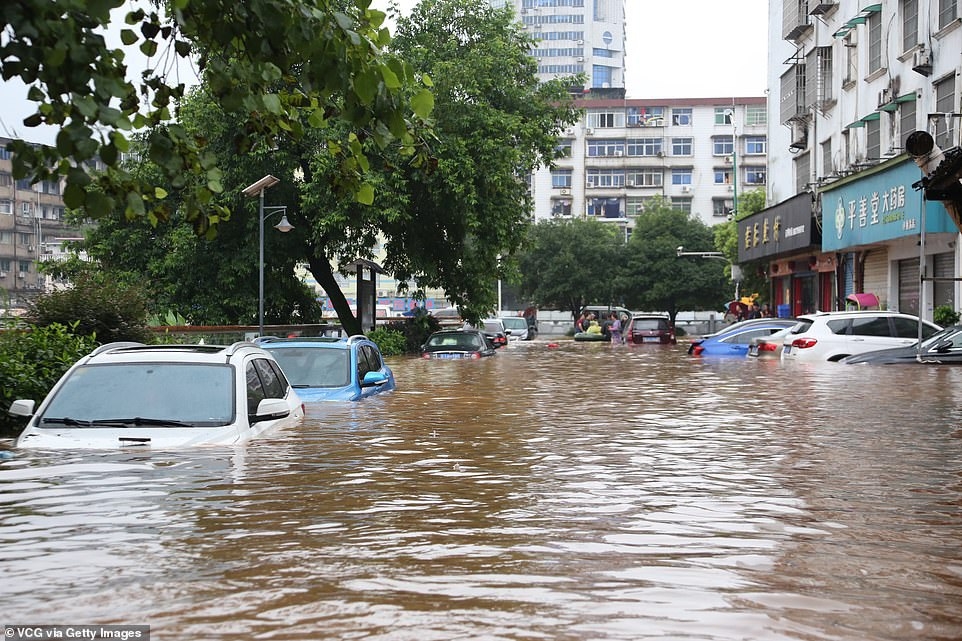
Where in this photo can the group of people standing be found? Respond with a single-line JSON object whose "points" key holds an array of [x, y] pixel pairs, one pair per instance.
{"points": [[612, 326]]}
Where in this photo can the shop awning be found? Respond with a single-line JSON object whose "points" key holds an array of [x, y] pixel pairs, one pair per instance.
{"points": [[875, 115], [855, 125], [860, 18], [894, 104]]}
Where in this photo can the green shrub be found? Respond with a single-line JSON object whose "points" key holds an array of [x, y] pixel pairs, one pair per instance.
{"points": [[945, 316], [390, 341], [32, 361], [415, 330], [113, 312]]}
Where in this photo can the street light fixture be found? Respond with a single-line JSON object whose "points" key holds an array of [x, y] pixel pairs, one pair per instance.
{"points": [[736, 270], [254, 190]]}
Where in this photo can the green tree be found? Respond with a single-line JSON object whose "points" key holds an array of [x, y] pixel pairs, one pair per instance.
{"points": [[280, 68], [655, 278], [568, 264], [441, 225]]}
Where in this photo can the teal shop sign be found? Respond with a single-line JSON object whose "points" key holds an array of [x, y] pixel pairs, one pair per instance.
{"points": [[879, 207]]}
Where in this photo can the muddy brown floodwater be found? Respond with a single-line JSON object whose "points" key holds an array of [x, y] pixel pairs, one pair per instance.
{"points": [[577, 492]]}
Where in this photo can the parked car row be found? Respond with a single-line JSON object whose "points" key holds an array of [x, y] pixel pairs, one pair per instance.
{"points": [[832, 336]]}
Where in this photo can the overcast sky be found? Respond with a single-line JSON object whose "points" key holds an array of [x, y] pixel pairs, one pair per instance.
{"points": [[675, 49]]}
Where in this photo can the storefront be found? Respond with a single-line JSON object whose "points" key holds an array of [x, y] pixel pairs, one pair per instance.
{"points": [[787, 241], [873, 222]]}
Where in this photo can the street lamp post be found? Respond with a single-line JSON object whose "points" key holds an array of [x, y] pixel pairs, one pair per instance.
{"points": [[736, 271], [257, 189], [731, 116]]}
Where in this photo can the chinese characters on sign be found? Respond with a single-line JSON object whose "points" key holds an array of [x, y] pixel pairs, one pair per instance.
{"points": [[768, 231]]}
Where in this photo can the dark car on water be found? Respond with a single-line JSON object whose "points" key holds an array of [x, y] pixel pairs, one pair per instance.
{"points": [[942, 348], [449, 344]]}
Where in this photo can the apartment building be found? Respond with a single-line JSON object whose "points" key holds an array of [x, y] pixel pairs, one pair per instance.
{"points": [[850, 81], [31, 229], [576, 36], [699, 154]]}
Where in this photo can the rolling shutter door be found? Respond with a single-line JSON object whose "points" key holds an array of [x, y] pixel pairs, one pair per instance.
{"points": [[876, 276], [909, 286], [944, 267]]}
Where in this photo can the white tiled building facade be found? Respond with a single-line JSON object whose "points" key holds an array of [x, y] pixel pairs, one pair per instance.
{"points": [[698, 154], [576, 36]]}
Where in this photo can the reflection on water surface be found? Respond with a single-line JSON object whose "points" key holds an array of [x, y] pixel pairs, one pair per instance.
{"points": [[584, 492]]}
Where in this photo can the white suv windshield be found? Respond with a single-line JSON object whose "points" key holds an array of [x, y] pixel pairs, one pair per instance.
{"points": [[197, 394]]}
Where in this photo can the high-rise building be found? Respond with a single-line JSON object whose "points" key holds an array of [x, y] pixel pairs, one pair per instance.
{"points": [[576, 36]]}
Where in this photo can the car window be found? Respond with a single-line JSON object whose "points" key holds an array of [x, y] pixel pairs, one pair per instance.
{"points": [[906, 327], [745, 337], [368, 360], [315, 366], [515, 323], [651, 324], [801, 327], [871, 326], [202, 394], [492, 326], [255, 389], [272, 385], [839, 326]]}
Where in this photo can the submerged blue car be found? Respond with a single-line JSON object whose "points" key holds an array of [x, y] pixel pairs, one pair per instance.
{"points": [[735, 340], [331, 368]]}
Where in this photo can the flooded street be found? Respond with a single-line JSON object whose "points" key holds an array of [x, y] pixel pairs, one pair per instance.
{"points": [[579, 492]]}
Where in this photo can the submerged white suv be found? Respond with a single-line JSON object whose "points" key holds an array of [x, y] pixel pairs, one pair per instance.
{"points": [[162, 396], [831, 336]]}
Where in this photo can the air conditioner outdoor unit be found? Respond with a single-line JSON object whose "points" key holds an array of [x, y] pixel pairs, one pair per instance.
{"points": [[629, 183], [731, 187], [884, 97], [619, 152], [728, 160], [581, 58], [565, 192], [30, 248], [660, 154], [590, 130], [22, 275], [922, 62], [3, 274], [581, 42], [686, 189]]}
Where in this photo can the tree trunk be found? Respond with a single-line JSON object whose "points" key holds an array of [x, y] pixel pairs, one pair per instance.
{"points": [[324, 275]]}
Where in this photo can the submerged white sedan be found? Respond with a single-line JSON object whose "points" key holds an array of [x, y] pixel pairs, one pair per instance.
{"points": [[130, 395]]}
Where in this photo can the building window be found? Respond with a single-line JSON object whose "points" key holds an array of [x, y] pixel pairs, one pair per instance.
{"points": [[4, 264], [723, 176], [948, 11], [681, 204], [755, 175], [605, 178], [563, 149], [561, 178], [635, 206], [722, 145], [24, 185], [910, 24], [945, 128], [681, 176], [756, 145], [681, 117], [645, 116], [5, 179], [643, 178], [6, 207], [907, 121], [756, 115], [603, 147], [24, 266], [645, 147], [874, 24], [802, 172], [606, 119], [827, 165], [604, 207], [601, 76], [681, 146], [724, 115], [851, 58], [721, 207], [561, 207], [873, 139], [5, 153]]}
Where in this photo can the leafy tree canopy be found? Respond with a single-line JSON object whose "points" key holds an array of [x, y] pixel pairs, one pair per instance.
{"points": [[571, 263], [655, 278], [280, 67]]}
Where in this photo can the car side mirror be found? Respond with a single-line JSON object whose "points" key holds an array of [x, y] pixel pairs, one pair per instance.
{"points": [[943, 347], [22, 407], [372, 379], [270, 409]]}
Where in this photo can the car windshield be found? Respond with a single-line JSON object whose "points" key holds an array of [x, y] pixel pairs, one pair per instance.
{"points": [[468, 342], [196, 394], [315, 366], [951, 334], [643, 324], [515, 323]]}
